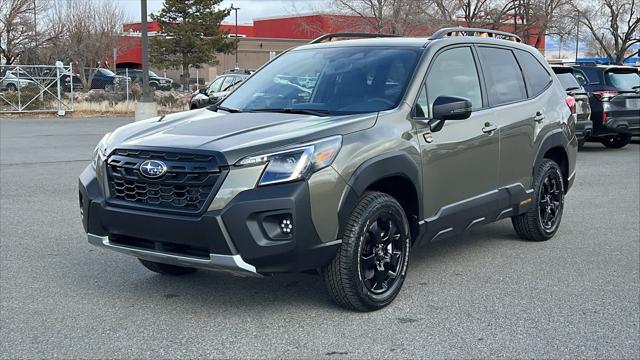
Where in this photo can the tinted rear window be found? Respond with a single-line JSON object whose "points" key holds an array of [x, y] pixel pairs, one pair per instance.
{"points": [[537, 77], [568, 81], [623, 80], [503, 76]]}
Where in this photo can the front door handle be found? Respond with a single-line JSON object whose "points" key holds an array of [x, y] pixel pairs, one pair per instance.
{"points": [[489, 128], [539, 116]]}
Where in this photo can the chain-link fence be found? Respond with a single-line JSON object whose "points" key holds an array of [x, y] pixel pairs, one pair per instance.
{"points": [[36, 88], [64, 88]]}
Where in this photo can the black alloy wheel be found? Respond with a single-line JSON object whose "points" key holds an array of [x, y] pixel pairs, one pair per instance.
{"points": [[371, 264], [381, 254], [550, 201]]}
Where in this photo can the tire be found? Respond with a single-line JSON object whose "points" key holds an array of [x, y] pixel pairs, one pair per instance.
{"points": [[534, 225], [166, 269], [371, 264], [12, 87], [616, 141], [581, 143]]}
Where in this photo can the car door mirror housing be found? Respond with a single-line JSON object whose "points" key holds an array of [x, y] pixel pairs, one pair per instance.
{"points": [[451, 108]]}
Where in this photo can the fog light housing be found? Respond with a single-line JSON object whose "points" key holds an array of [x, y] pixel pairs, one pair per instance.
{"points": [[286, 226]]}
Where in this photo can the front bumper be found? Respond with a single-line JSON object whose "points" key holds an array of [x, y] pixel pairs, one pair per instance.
{"points": [[241, 238]]}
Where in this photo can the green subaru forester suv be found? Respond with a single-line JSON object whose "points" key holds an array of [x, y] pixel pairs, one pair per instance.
{"points": [[337, 157]]}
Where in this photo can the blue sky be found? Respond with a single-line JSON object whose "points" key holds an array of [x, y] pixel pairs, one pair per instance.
{"points": [[249, 9]]}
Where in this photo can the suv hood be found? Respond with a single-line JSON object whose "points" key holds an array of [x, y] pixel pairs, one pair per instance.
{"points": [[236, 135]]}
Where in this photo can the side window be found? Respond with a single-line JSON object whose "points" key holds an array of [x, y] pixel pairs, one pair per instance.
{"points": [[228, 82], [422, 104], [503, 76], [535, 74], [581, 77], [215, 85], [454, 73]]}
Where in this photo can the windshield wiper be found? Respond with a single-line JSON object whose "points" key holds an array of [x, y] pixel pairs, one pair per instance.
{"points": [[224, 108], [314, 112]]}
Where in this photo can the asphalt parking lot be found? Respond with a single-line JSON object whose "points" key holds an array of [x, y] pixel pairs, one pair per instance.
{"points": [[486, 294]]}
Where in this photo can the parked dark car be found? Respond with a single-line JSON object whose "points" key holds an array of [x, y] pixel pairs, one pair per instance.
{"points": [[105, 79], [614, 96], [216, 91], [584, 127], [156, 82]]}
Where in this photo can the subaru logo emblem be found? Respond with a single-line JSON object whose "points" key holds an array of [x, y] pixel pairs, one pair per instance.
{"points": [[153, 169]]}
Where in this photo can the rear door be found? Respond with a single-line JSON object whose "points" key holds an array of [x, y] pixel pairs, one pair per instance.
{"points": [[520, 110]]}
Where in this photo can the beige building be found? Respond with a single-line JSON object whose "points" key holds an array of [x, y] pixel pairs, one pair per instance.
{"points": [[252, 53]]}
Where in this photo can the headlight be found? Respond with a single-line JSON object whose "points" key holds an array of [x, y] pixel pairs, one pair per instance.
{"points": [[295, 163], [100, 152]]}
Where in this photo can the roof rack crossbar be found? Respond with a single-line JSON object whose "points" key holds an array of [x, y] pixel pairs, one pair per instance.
{"points": [[328, 37], [463, 31]]}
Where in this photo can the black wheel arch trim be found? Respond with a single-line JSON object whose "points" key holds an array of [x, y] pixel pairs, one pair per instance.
{"points": [[378, 168], [553, 139]]}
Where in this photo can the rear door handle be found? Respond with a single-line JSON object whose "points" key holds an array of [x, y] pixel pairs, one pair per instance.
{"points": [[539, 116], [489, 128]]}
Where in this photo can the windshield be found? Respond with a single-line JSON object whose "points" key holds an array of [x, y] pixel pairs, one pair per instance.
{"points": [[344, 80], [151, 73], [623, 80], [568, 81], [106, 72]]}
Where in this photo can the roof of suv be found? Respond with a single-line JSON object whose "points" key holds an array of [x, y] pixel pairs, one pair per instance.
{"points": [[412, 42]]}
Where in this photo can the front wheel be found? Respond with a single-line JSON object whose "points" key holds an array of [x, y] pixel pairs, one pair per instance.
{"points": [[166, 269], [543, 218], [616, 141], [370, 267]]}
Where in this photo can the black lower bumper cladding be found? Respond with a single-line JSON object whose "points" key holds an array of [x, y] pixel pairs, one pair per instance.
{"points": [[244, 237]]}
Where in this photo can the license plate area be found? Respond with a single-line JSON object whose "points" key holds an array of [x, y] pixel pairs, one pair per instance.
{"points": [[633, 104]]}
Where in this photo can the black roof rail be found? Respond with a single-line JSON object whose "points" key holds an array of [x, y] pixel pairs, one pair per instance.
{"points": [[463, 31], [361, 35]]}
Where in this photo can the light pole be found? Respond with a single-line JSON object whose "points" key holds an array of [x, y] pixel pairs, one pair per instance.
{"points": [[577, 34], [235, 9], [146, 107]]}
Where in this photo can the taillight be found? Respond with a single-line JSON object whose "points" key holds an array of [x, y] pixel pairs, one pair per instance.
{"points": [[571, 103], [604, 117], [604, 95]]}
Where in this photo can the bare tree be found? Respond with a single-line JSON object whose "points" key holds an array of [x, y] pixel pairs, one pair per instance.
{"points": [[400, 17], [613, 25], [17, 27], [90, 30]]}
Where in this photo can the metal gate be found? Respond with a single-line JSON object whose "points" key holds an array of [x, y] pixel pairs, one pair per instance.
{"points": [[37, 88]]}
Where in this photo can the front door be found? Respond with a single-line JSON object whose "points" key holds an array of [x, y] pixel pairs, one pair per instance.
{"points": [[460, 161]]}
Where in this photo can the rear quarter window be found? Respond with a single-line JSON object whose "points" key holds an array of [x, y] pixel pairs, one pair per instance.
{"points": [[503, 77], [536, 75]]}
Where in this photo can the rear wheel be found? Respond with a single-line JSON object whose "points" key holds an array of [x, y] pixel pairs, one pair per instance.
{"points": [[166, 269], [12, 87], [543, 218], [370, 267], [616, 141]]}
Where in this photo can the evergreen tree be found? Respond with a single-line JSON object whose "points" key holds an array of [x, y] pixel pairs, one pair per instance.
{"points": [[190, 35]]}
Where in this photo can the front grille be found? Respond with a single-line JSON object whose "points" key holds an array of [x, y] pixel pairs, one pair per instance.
{"points": [[187, 186]]}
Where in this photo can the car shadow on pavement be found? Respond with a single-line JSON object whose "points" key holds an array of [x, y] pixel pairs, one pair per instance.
{"points": [[205, 289]]}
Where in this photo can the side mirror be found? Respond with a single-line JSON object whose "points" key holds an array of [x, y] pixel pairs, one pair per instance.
{"points": [[451, 108]]}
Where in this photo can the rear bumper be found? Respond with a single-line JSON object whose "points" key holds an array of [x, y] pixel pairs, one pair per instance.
{"points": [[242, 238], [584, 129]]}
